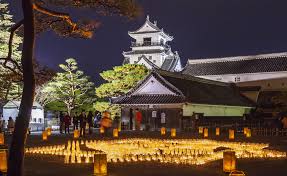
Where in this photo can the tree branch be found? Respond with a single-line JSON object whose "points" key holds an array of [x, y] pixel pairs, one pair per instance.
{"points": [[13, 29], [53, 13]]}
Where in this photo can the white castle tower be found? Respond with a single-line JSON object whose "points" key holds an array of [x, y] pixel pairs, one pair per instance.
{"points": [[151, 48]]}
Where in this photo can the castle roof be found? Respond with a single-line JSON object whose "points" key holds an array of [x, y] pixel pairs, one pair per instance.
{"points": [[149, 27], [237, 65]]}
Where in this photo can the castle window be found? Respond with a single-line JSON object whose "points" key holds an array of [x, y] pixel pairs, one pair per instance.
{"points": [[147, 41], [237, 79], [150, 57], [154, 61]]}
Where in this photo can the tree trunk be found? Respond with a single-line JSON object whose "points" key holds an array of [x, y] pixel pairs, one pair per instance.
{"points": [[17, 148]]}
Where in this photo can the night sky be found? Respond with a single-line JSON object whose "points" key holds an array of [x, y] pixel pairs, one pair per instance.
{"points": [[201, 29]]}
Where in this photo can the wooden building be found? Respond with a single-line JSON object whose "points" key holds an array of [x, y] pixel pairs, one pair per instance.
{"points": [[177, 100]]}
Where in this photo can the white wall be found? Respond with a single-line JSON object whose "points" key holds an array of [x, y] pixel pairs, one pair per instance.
{"points": [[36, 121], [152, 86], [246, 77]]}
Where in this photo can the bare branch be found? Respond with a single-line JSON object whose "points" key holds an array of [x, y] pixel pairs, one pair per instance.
{"points": [[53, 13]]}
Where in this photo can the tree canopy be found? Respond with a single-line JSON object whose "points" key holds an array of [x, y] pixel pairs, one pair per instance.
{"points": [[120, 80], [9, 79], [70, 87]]}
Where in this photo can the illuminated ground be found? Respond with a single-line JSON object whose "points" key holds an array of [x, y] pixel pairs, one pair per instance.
{"points": [[47, 165]]}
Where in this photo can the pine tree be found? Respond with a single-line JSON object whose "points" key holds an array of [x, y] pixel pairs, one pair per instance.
{"points": [[119, 81], [70, 87]]}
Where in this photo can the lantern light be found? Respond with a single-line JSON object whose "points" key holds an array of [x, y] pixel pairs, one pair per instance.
{"points": [[173, 132], [2, 139], [45, 135], [229, 161], [162, 131], [245, 130], [231, 134], [205, 132], [248, 133], [49, 131], [76, 134], [3, 160], [115, 133], [100, 164], [217, 131], [200, 130], [102, 130]]}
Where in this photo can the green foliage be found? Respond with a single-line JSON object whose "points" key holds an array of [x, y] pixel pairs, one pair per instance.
{"points": [[106, 106], [6, 22], [70, 87], [9, 89], [120, 80], [56, 106]]}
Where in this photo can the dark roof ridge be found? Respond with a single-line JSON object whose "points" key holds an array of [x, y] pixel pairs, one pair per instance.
{"points": [[237, 58], [181, 75]]}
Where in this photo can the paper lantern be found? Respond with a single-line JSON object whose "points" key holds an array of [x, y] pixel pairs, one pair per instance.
{"points": [[248, 133], [229, 161], [115, 133], [100, 164], [76, 134], [45, 135], [162, 131], [217, 131], [200, 130], [245, 130], [173, 132], [102, 130], [231, 134], [205, 132], [2, 139], [49, 131], [3, 160]]}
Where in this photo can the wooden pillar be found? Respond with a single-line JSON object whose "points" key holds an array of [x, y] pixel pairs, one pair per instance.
{"points": [[131, 119]]}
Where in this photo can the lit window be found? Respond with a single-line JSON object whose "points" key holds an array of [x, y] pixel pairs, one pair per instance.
{"points": [[237, 79]]}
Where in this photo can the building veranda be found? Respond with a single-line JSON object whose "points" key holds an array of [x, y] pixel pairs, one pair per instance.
{"points": [[175, 100]]}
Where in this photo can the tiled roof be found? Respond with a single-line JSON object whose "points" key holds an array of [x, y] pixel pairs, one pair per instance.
{"points": [[148, 99], [170, 63], [237, 65], [188, 89], [202, 91], [150, 24]]}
